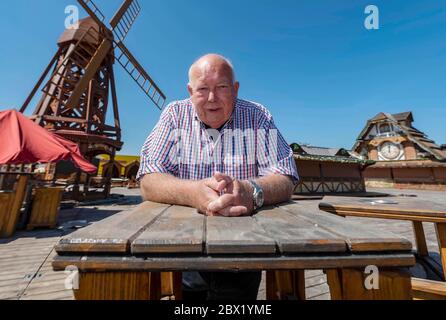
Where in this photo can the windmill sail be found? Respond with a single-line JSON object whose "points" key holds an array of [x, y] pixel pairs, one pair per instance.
{"points": [[141, 77], [124, 19], [93, 11]]}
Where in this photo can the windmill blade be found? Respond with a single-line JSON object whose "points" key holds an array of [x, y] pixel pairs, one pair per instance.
{"points": [[94, 12], [124, 19], [137, 72]]}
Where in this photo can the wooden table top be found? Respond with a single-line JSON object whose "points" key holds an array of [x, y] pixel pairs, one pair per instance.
{"points": [[161, 237], [404, 208]]}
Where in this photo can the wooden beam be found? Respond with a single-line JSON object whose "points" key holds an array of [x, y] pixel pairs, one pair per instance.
{"points": [[90, 71], [115, 101], [441, 237], [39, 82], [115, 20], [420, 238]]}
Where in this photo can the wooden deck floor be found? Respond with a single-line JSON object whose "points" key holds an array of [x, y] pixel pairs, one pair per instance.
{"points": [[25, 259]]}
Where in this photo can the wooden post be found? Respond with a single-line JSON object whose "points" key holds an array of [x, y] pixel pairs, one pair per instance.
{"points": [[109, 174], [171, 285], [334, 280], [285, 285], [420, 239], [76, 188], [441, 237]]}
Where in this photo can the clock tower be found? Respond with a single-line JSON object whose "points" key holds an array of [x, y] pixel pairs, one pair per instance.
{"points": [[388, 137], [405, 157]]}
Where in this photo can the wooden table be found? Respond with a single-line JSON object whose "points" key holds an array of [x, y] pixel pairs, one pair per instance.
{"points": [[397, 208], [126, 255]]}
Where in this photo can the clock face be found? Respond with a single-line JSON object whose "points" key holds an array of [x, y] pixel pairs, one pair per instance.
{"points": [[390, 150]]}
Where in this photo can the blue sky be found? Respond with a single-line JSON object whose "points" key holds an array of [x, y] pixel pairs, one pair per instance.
{"points": [[312, 63]]}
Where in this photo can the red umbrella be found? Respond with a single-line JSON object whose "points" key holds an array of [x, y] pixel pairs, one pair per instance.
{"points": [[22, 141]]}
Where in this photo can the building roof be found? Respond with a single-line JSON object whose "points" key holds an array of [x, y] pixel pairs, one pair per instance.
{"points": [[403, 116], [321, 151], [416, 136], [313, 153]]}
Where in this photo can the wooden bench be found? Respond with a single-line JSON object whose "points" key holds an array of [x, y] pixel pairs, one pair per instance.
{"points": [[140, 253], [401, 208], [423, 289]]}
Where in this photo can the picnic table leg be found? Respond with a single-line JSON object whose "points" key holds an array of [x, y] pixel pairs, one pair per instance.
{"points": [[420, 238], [334, 280], [285, 285], [441, 237], [171, 285], [349, 284], [118, 286]]}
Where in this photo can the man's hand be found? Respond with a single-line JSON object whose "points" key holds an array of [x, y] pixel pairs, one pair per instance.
{"points": [[237, 201], [209, 190]]}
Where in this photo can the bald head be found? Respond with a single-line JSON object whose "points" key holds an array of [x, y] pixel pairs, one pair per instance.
{"points": [[211, 63], [213, 89]]}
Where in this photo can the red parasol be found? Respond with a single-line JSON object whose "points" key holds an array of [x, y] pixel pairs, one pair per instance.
{"points": [[22, 141]]}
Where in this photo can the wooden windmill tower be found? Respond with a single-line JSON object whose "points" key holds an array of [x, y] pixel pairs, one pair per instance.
{"points": [[81, 87]]}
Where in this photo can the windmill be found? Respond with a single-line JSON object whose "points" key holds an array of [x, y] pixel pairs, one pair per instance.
{"points": [[81, 86]]}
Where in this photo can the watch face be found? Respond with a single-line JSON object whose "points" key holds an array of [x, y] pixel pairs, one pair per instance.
{"points": [[390, 150]]}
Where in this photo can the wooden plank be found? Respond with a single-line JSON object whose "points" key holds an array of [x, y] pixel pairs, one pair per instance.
{"points": [[405, 209], [234, 262], [423, 289], [6, 200], [359, 238], [114, 234], [53, 295], [237, 235], [14, 213], [118, 286], [294, 234], [179, 229]]}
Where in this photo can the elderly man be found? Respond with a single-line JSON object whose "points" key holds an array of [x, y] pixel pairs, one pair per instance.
{"points": [[221, 155]]}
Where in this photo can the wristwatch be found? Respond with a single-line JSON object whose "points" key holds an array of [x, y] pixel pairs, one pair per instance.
{"points": [[257, 195]]}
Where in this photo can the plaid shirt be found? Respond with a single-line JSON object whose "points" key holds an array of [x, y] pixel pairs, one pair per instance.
{"points": [[246, 147]]}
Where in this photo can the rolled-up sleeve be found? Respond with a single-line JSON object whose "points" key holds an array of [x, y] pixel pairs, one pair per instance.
{"points": [[158, 154], [274, 155]]}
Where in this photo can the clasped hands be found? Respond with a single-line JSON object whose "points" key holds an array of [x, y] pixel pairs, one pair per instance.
{"points": [[222, 195]]}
